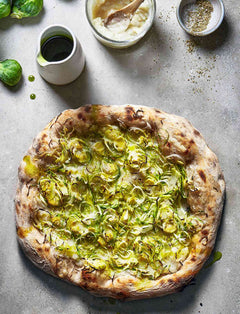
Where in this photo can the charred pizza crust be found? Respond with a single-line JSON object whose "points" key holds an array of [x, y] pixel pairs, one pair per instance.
{"points": [[206, 199]]}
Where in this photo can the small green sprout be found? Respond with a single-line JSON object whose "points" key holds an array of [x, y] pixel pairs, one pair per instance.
{"points": [[10, 72], [5, 8], [26, 8]]}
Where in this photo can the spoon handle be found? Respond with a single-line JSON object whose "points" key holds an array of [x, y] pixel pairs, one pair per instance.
{"points": [[132, 7]]}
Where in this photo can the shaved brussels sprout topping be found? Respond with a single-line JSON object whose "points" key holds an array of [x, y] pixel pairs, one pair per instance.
{"points": [[30, 168], [112, 200]]}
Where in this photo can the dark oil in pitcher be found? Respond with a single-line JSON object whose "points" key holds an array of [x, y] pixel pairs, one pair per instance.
{"points": [[57, 48]]}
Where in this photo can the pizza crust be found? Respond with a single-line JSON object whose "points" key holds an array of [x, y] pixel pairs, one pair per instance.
{"points": [[206, 199]]}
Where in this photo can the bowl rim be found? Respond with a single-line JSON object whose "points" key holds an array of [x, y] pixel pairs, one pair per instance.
{"points": [[203, 33], [121, 42], [41, 42]]}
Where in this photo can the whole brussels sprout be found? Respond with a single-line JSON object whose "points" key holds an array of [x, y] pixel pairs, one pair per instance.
{"points": [[10, 72], [5, 8], [26, 8]]}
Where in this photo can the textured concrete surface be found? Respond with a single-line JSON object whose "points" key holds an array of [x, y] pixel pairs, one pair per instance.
{"points": [[167, 70]]}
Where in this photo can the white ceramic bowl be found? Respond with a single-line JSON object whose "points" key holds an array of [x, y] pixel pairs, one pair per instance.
{"points": [[120, 43], [215, 21]]}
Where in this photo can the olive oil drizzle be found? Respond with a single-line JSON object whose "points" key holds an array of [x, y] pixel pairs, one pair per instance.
{"points": [[216, 257], [32, 96], [31, 78]]}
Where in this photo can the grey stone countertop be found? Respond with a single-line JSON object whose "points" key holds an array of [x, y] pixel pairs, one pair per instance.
{"points": [[195, 78]]}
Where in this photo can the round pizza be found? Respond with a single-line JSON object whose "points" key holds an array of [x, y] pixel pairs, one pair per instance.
{"points": [[124, 201]]}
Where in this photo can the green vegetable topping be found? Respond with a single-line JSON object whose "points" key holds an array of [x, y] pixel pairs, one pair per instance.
{"points": [[30, 168], [10, 72], [113, 201], [5, 8], [26, 8]]}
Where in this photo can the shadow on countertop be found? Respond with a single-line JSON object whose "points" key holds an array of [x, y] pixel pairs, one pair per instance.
{"points": [[160, 41], [180, 301], [132, 62], [7, 22], [78, 92], [215, 40]]}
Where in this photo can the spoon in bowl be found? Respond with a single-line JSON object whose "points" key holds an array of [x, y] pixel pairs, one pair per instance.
{"points": [[119, 20]]}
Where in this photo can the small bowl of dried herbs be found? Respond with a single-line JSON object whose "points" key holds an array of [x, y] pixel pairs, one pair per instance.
{"points": [[200, 17]]}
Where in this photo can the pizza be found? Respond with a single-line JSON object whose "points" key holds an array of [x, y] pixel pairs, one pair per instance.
{"points": [[123, 201]]}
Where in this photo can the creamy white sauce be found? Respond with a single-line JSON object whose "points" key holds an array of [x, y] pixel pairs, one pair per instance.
{"points": [[120, 31]]}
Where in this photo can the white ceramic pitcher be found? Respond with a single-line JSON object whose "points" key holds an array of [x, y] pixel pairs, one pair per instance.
{"points": [[64, 71]]}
